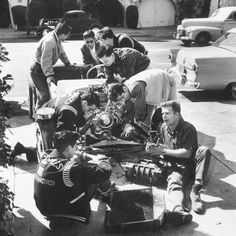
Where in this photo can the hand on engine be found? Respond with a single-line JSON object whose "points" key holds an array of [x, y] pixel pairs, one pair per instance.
{"points": [[128, 129]]}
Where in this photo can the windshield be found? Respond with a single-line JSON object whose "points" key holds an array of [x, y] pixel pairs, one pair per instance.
{"points": [[227, 41], [220, 14]]}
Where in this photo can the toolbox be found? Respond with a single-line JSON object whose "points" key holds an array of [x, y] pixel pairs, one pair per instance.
{"points": [[137, 209]]}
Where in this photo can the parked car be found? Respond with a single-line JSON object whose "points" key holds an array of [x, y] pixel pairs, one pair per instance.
{"points": [[203, 30], [77, 19], [209, 68]]}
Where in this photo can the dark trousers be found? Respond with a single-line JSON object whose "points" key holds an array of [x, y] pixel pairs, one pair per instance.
{"points": [[179, 175]]}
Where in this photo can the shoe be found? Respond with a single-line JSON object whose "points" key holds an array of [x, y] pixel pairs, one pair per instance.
{"points": [[179, 216], [57, 223], [197, 204]]}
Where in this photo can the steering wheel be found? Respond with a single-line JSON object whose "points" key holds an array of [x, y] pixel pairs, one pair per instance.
{"points": [[99, 71]]}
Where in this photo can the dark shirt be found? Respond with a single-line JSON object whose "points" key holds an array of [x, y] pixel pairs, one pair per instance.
{"points": [[125, 41], [68, 112], [128, 62], [184, 136], [87, 56], [59, 182]]}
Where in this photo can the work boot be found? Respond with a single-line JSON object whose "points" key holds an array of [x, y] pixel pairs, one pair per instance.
{"points": [[179, 216], [197, 204]]}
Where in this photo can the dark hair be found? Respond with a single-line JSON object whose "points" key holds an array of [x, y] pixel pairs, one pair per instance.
{"points": [[63, 139], [105, 33], [91, 97], [63, 28], [88, 34], [104, 51], [114, 91], [174, 104], [77, 95]]}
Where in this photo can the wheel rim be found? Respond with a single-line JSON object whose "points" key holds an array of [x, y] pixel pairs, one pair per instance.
{"points": [[233, 90]]}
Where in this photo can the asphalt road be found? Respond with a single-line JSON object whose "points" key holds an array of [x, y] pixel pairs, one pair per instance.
{"points": [[210, 112]]}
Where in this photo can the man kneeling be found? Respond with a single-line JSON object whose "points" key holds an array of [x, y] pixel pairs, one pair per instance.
{"points": [[65, 182]]}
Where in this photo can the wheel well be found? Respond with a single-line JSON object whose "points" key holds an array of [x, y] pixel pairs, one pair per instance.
{"points": [[204, 33]]}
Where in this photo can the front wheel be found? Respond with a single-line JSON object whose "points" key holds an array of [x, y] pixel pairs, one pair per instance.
{"points": [[203, 39], [186, 43], [45, 130], [230, 91]]}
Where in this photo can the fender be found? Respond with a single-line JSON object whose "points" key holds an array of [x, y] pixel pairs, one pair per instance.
{"points": [[194, 31]]}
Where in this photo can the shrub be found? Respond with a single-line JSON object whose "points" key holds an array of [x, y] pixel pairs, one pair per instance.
{"points": [[6, 196], [19, 13]]}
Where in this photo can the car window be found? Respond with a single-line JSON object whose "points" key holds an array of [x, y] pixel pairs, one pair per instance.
{"points": [[227, 41], [232, 16]]}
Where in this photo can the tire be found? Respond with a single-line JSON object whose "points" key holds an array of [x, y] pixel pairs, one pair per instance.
{"points": [[132, 17], [45, 130], [230, 91], [186, 43], [203, 39], [32, 99]]}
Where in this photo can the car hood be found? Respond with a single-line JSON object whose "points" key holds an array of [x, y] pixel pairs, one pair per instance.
{"points": [[201, 22], [189, 56]]}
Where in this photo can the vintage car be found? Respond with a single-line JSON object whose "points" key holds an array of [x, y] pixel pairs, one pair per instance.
{"points": [[101, 123], [77, 19], [203, 30], [209, 68]]}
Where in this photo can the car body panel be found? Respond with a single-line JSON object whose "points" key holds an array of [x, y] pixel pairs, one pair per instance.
{"points": [[208, 68], [223, 19], [77, 19]]}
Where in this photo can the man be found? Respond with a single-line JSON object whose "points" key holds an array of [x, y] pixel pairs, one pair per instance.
{"points": [[65, 182], [122, 63], [89, 49], [108, 38], [48, 51], [72, 110], [179, 145], [148, 89]]}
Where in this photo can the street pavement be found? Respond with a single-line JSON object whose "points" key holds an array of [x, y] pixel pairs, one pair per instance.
{"points": [[216, 127]]}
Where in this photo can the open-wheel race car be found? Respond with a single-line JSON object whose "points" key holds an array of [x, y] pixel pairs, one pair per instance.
{"points": [[101, 123]]}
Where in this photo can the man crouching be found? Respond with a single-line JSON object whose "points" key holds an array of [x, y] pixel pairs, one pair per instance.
{"points": [[65, 182]]}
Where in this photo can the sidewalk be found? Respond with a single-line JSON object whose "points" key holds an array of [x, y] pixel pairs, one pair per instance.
{"points": [[7, 35]]}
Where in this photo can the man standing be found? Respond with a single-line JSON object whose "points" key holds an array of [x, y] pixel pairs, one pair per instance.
{"points": [[179, 145], [122, 63], [48, 51], [108, 38], [65, 182], [148, 89]]}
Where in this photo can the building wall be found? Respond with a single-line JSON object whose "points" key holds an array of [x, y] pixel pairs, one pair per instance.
{"points": [[17, 2], [153, 12]]}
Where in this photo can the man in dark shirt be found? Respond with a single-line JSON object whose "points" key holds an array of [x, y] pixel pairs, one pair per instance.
{"points": [[72, 110], [122, 63], [180, 147], [65, 181], [108, 38], [88, 50]]}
